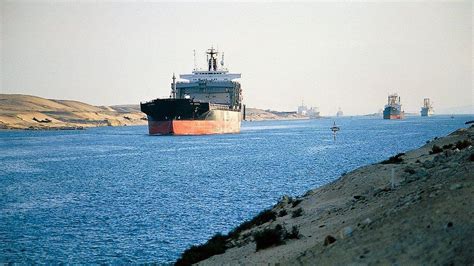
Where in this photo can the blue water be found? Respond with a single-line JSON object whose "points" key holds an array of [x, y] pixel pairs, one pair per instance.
{"points": [[117, 195]]}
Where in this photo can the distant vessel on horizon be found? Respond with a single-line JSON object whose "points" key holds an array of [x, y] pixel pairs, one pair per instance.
{"points": [[427, 109], [339, 112], [393, 108], [312, 112], [208, 102]]}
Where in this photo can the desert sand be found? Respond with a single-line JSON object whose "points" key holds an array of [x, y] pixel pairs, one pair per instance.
{"points": [[255, 114], [413, 209], [30, 112]]}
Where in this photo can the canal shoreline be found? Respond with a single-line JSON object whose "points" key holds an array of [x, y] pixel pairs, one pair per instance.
{"points": [[414, 207]]}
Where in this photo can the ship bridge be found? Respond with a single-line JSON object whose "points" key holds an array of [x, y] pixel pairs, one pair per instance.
{"points": [[213, 72], [209, 76], [214, 85]]}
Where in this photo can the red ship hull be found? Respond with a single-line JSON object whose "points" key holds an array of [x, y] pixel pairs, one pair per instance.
{"points": [[187, 117], [192, 127], [400, 116]]}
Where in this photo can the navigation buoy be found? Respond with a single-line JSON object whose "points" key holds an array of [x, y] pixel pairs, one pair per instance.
{"points": [[334, 130]]}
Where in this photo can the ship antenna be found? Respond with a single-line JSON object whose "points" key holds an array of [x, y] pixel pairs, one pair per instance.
{"points": [[173, 88], [194, 52], [214, 59]]}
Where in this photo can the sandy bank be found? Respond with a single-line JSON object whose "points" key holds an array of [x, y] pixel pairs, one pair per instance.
{"points": [[254, 114], [416, 208], [30, 112]]}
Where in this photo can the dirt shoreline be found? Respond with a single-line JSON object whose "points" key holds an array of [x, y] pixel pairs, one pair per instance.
{"points": [[415, 208], [26, 112]]}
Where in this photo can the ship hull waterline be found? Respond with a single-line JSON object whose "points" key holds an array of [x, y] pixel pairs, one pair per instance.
{"points": [[192, 127], [188, 117], [393, 117], [393, 113]]}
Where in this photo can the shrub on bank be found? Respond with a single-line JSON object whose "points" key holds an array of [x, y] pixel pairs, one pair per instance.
{"points": [[261, 218], [296, 202], [215, 245], [447, 146], [394, 159], [463, 144], [294, 234], [269, 237], [219, 243], [297, 213], [435, 149]]}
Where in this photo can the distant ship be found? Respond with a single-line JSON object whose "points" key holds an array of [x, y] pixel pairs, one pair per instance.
{"points": [[339, 112], [427, 109], [312, 112], [208, 102], [393, 109]]}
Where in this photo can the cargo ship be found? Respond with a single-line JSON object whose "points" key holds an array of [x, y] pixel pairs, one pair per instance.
{"points": [[312, 112], [427, 109], [204, 102], [393, 109]]}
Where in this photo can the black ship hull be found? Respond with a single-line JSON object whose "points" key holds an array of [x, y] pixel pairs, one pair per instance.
{"points": [[188, 117]]}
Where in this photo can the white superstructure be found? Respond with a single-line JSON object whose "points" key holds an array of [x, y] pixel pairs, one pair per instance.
{"points": [[213, 73], [214, 85]]}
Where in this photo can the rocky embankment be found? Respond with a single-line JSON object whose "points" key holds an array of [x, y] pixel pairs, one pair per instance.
{"points": [[414, 208], [30, 112]]}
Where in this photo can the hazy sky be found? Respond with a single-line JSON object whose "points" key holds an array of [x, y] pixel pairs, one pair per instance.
{"points": [[347, 54]]}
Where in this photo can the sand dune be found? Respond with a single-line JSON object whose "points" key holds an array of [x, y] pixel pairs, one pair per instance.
{"points": [[30, 112]]}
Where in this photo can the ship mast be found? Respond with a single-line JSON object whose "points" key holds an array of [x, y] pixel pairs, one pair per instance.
{"points": [[212, 59], [216, 69], [173, 88], [194, 52]]}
